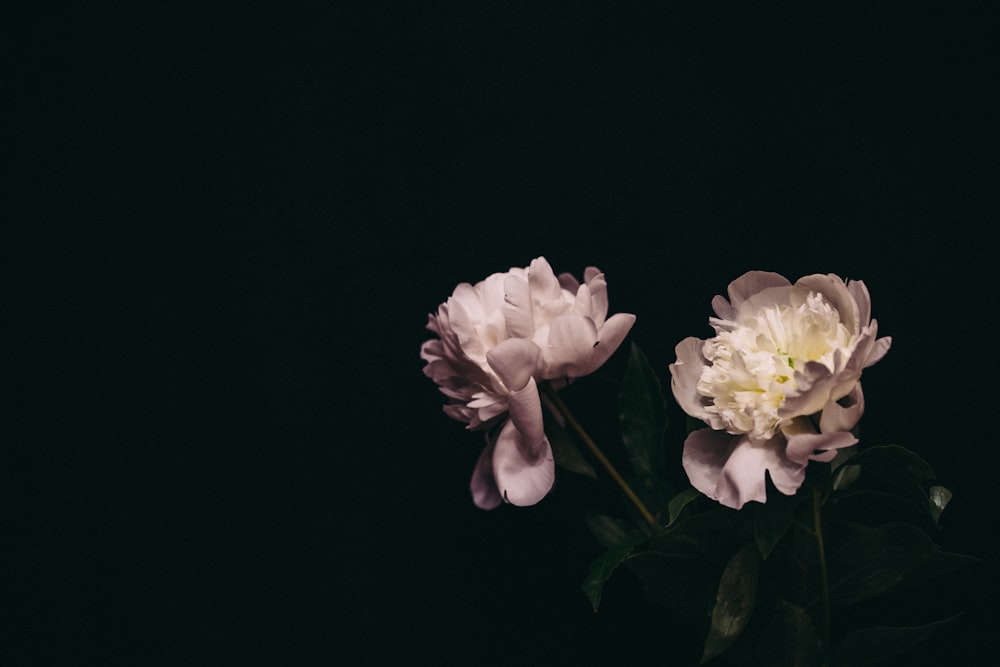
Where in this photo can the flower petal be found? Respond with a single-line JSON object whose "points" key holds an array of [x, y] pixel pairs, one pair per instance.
{"points": [[598, 294], [878, 350], [568, 282], [487, 406], [517, 309], [768, 298], [705, 454], [491, 291], [460, 319], [523, 466], [835, 292], [543, 282], [483, 485], [515, 361], [743, 476], [525, 407], [611, 336], [460, 412], [570, 343], [432, 352], [723, 308], [583, 304], [859, 291], [751, 284], [813, 384], [842, 415], [685, 374], [803, 447]]}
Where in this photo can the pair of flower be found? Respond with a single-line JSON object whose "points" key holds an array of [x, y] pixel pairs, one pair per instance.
{"points": [[778, 386]]}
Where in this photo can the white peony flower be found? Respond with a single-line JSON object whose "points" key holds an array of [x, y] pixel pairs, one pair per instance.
{"points": [[496, 340], [779, 384]]}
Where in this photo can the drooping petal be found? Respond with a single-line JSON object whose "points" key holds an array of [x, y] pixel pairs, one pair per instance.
{"points": [[521, 481], [743, 476], [515, 361], [523, 466], [483, 485], [685, 374], [705, 454], [525, 407]]}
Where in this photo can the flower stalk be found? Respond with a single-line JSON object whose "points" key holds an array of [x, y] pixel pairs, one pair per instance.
{"points": [[564, 410], [824, 590]]}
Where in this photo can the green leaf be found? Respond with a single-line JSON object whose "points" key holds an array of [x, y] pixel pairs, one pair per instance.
{"points": [[893, 464], [898, 476], [875, 560], [872, 646], [679, 568], [679, 502], [734, 601], [642, 412], [937, 564], [845, 476], [681, 582], [564, 451], [789, 638], [876, 507], [612, 532], [713, 534], [601, 570], [772, 519]]}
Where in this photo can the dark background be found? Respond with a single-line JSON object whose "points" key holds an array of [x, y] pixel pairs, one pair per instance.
{"points": [[230, 225]]}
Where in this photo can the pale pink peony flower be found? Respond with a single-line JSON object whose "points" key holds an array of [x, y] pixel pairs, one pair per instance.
{"points": [[779, 384], [496, 340]]}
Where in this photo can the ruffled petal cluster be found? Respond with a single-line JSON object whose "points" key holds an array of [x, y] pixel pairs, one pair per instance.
{"points": [[778, 385], [495, 341]]}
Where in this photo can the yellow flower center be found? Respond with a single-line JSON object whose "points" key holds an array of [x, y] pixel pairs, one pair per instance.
{"points": [[753, 361]]}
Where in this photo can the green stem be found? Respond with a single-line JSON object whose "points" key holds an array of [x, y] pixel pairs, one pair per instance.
{"points": [[824, 590], [598, 454]]}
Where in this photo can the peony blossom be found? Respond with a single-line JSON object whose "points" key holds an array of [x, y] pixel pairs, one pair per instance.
{"points": [[778, 385], [496, 341]]}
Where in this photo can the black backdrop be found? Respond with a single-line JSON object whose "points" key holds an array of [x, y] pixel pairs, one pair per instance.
{"points": [[232, 224]]}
